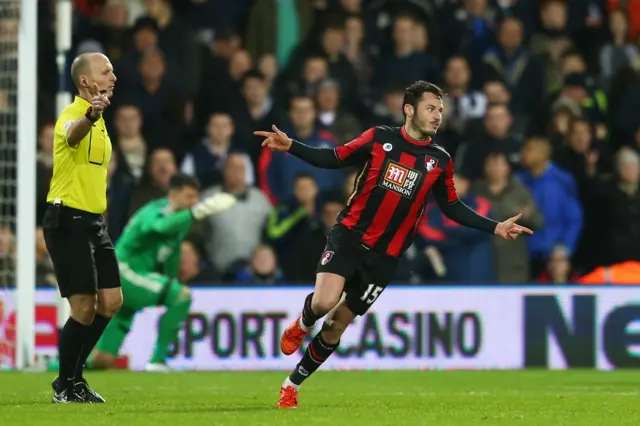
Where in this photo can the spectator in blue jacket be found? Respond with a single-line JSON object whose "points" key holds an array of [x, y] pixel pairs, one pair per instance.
{"points": [[466, 254], [555, 194], [278, 170]]}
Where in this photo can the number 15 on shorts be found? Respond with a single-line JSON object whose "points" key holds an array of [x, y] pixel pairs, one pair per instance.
{"points": [[371, 294]]}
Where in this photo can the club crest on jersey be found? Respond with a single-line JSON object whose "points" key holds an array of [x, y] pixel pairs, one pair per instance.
{"points": [[326, 257], [401, 179], [430, 163]]}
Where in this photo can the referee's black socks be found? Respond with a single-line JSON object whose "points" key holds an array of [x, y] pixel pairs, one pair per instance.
{"points": [[72, 337], [317, 352], [92, 335]]}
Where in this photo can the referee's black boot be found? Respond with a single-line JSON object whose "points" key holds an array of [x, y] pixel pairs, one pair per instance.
{"points": [[65, 393], [87, 394]]}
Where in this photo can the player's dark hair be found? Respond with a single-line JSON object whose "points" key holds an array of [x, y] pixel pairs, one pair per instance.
{"points": [[180, 180], [413, 93]]}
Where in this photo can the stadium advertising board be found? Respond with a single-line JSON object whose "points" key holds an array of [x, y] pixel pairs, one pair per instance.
{"points": [[407, 328]]}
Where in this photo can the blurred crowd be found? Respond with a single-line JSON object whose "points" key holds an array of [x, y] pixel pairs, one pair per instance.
{"points": [[542, 117]]}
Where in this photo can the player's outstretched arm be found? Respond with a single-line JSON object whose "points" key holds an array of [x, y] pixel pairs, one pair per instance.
{"points": [[278, 141], [177, 221], [465, 216], [447, 197], [214, 204]]}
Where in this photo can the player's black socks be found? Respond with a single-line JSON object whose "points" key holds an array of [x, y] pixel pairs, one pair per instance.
{"points": [[317, 352], [94, 331], [308, 317], [70, 345]]}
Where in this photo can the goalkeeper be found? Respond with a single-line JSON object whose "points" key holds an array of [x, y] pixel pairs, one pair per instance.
{"points": [[149, 258]]}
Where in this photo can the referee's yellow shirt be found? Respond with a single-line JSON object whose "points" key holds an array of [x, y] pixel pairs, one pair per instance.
{"points": [[80, 173]]}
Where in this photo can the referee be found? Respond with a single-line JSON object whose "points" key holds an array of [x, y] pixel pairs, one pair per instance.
{"points": [[74, 227]]}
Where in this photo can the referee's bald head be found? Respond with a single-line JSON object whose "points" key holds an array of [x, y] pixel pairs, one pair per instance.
{"points": [[83, 64]]}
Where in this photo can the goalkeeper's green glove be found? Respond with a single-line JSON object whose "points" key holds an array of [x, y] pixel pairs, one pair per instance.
{"points": [[215, 204]]}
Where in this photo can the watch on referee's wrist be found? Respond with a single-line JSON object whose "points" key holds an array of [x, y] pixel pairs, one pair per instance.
{"points": [[89, 115]]}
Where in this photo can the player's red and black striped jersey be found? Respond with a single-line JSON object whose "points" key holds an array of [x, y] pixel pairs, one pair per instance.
{"points": [[397, 173]]}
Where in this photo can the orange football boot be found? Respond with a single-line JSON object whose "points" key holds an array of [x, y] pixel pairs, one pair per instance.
{"points": [[292, 337], [288, 397]]}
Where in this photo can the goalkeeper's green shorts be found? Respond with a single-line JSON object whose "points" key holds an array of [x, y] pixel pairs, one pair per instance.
{"points": [[139, 291]]}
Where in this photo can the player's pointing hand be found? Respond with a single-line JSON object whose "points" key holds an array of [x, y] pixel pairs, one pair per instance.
{"points": [[510, 230], [276, 140]]}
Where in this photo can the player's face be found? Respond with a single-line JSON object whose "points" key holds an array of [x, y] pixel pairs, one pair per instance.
{"points": [[184, 198], [102, 74], [427, 116]]}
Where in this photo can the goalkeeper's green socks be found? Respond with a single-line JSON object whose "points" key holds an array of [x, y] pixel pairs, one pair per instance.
{"points": [[169, 326]]}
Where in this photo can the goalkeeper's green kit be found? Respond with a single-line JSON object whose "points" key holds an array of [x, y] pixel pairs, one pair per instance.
{"points": [[148, 254]]}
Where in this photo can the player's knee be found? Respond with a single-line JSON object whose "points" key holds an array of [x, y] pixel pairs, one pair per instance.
{"points": [[321, 305], [83, 308], [102, 360], [109, 301]]}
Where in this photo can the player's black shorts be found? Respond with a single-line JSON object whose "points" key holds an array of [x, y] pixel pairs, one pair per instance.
{"points": [[367, 272], [81, 250]]}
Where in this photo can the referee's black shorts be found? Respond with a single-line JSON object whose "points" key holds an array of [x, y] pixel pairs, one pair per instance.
{"points": [[81, 250]]}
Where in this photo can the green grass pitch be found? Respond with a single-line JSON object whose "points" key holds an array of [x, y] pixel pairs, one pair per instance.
{"points": [[438, 398]]}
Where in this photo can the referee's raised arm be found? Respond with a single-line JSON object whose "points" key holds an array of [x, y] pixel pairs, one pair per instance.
{"points": [[74, 226]]}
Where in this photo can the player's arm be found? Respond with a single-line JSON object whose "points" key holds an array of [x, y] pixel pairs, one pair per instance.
{"points": [[326, 158], [334, 158], [178, 221], [168, 225], [447, 197], [452, 207], [76, 130]]}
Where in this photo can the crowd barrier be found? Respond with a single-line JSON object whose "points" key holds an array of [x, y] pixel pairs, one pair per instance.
{"points": [[408, 327]]}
